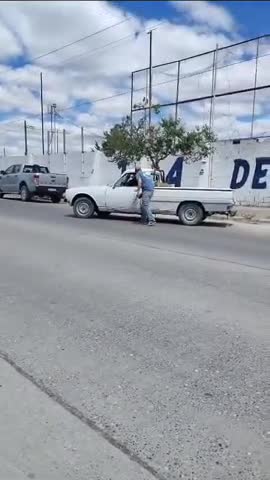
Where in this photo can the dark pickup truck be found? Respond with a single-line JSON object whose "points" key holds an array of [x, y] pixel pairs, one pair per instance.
{"points": [[33, 180]]}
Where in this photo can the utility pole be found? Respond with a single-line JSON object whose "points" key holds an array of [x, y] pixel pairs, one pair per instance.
{"points": [[255, 86], [25, 139], [82, 139], [54, 128], [177, 91], [212, 111], [42, 114], [48, 142], [4, 151], [150, 77], [64, 141], [51, 134], [131, 99]]}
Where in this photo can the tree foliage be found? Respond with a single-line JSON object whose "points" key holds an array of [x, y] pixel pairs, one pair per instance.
{"points": [[123, 144], [127, 143]]}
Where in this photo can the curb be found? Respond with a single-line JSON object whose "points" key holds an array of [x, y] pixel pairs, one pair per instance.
{"points": [[243, 219]]}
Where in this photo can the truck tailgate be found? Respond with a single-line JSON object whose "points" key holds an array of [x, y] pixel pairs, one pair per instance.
{"points": [[52, 180]]}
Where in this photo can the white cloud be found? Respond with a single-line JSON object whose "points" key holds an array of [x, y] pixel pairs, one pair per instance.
{"points": [[10, 44], [208, 13], [93, 69]]}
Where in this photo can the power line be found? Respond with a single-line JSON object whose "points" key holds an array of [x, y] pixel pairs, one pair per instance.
{"points": [[156, 84], [80, 39], [88, 102], [92, 52], [72, 43], [93, 101]]}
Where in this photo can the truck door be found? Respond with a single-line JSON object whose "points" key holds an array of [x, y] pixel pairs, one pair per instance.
{"points": [[122, 196], [6, 180], [14, 179]]}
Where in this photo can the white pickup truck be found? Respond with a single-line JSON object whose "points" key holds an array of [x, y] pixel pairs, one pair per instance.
{"points": [[190, 205]]}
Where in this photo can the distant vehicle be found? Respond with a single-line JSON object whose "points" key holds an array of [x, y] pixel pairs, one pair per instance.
{"points": [[190, 205], [32, 180]]}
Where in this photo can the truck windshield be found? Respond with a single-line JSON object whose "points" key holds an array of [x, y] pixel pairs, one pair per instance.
{"points": [[35, 169]]}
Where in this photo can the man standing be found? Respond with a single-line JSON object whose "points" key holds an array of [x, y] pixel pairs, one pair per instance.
{"points": [[145, 191]]}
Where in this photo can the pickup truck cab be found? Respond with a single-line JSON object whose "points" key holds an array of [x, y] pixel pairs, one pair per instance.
{"points": [[190, 205], [32, 180]]}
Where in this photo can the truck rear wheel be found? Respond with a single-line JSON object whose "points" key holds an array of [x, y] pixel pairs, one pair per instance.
{"points": [[191, 214], [55, 199], [84, 207], [25, 194]]}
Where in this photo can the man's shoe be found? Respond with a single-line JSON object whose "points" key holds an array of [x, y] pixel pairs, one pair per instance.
{"points": [[151, 224]]}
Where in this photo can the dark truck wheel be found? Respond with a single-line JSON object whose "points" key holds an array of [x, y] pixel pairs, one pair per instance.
{"points": [[84, 207], [55, 199], [191, 214], [1, 194], [25, 194]]}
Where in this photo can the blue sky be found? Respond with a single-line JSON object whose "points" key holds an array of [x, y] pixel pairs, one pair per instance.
{"points": [[253, 17], [93, 90]]}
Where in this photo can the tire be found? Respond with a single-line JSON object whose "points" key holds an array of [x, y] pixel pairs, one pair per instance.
{"points": [[24, 193], [1, 194], [191, 214], [55, 199], [84, 207]]}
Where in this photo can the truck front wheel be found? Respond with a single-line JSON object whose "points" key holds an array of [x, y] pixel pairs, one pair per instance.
{"points": [[191, 214], [84, 207]]}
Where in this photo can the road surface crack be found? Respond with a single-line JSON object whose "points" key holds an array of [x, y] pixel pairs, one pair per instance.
{"points": [[80, 416]]}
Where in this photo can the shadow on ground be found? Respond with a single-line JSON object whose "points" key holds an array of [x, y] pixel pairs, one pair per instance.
{"points": [[160, 221]]}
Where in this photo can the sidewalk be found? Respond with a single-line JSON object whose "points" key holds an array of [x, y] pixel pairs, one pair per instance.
{"points": [[40, 439], [249, 215]]}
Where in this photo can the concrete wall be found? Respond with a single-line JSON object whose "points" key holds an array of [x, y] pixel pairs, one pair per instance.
{"points": [[83, 169], [245, 167]]}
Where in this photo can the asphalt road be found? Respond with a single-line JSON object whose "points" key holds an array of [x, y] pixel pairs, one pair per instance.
{"points": [[130, 352]]}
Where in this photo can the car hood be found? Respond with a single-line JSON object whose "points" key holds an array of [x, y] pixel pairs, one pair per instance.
{"points": [[92, 190]]}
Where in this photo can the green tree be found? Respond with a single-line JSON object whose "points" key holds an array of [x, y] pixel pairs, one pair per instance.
{"points": [[123, 144], [127, 143], [170, 137]]}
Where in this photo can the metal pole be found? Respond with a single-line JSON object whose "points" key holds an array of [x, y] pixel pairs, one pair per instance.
{"points": [[54, 128], [255, 86], [64, 141], [146, 98], [213, 89], [42, 114], [212, 111], [4, 151], [57, 141], [150, 77], [82, 140], [177, 90], [131, 99], [25, 139], [51, 134], [48, 142]]}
